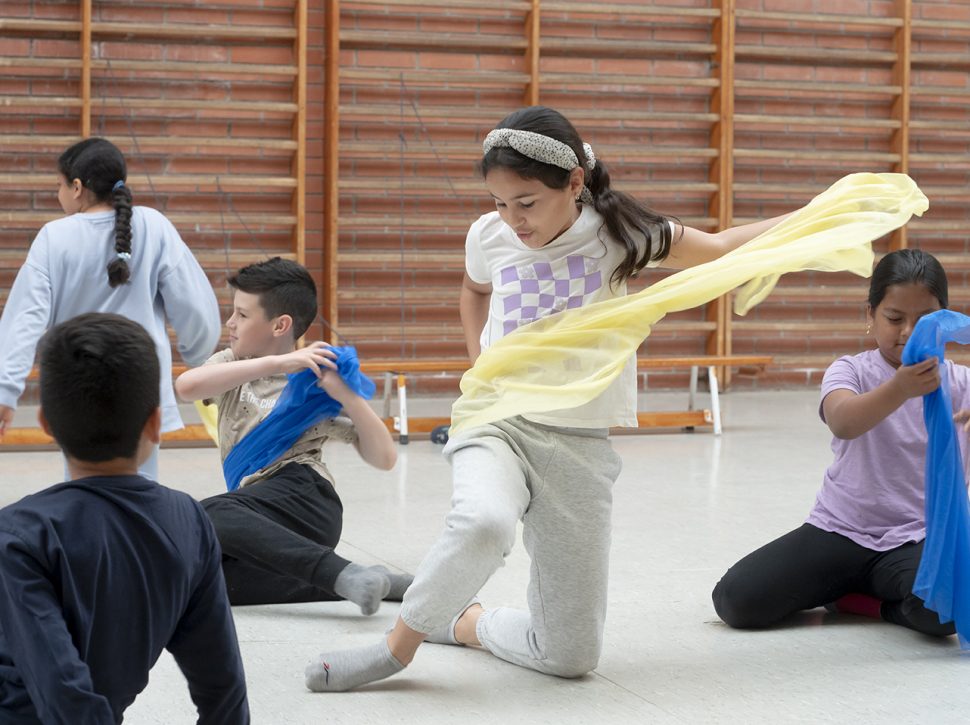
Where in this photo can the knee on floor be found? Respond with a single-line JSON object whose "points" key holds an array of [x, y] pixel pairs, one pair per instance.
{"points": [[572, 663], [736, 606]]}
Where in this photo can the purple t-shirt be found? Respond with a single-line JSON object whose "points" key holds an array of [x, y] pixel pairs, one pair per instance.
{"points": [[873, 492]]}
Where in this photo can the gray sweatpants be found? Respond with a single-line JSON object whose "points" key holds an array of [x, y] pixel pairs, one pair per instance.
{"points": [[559, 482]]}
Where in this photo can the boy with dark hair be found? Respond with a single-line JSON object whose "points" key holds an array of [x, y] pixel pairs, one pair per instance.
{"points": [[278, 529], [99, 574]]}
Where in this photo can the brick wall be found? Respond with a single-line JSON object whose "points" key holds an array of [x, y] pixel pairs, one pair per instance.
{"points": [[421, 85]]}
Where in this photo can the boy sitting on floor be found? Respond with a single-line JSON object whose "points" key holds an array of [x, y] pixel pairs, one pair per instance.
{"points": [[278, 529], [99, 574]]}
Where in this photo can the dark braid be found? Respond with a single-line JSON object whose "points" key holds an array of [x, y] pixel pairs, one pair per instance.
{"points": [[118, 270], [100, 166]]}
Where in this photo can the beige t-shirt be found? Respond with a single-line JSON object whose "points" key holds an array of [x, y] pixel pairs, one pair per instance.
{"points": [[242, 409]]}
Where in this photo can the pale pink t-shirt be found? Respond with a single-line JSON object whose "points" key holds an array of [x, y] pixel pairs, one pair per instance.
{"points": [[873, 493]]}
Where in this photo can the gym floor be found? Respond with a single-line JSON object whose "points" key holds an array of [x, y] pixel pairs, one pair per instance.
{"points": [[687, 505]]}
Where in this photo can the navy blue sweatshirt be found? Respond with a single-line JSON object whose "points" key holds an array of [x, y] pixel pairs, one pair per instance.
{"points": [[97, 577]]}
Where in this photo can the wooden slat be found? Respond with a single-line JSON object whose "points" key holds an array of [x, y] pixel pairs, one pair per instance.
{"points": [[614, 79], [195, 69], [435, 77], [814, 54], [827, 122], [331, 164], [201, 105], [457, 42], [185, 143], [818, 18], [220, 181], [818, 155], [300, 132], [818, 87], [201, 31], [436, 187], [461, 151], [39, 26], [53, 63], [420, 5], [231, 220], [459, 116], [44, 102], [85, 68], [632, 9], [612, 47]]}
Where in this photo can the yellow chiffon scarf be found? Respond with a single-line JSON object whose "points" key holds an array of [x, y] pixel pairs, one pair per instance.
{"points": [[567, 359]]}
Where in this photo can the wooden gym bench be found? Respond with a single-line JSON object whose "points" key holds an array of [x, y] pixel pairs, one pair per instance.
{"points": [[406, 426]]}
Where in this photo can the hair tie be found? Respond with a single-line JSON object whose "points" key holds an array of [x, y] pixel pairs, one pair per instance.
{"points": [[126, 256], [118, 185]]}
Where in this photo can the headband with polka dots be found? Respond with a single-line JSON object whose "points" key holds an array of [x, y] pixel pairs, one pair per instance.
{"points": [[541, 148]]}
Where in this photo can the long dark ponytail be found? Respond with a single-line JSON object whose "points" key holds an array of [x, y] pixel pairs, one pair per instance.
{"points": [[101, 168], [644, 233]]}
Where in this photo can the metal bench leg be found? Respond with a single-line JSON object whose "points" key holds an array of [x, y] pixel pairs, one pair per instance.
{"points": [[402, 400], [715, 401], [693, 388], [387, 394]]}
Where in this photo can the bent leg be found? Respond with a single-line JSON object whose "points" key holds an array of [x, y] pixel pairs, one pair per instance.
{"points": [[803, 569], [490, 496], [567, 534], [891, 579], [286, 526]]}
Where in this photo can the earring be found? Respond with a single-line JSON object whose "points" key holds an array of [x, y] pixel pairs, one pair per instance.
{"points": [[868, 328]]}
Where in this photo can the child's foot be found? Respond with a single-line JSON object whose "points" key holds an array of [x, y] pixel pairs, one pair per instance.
{"points": [[345, 670], [362, 585], [861, 604], [399, 583]]}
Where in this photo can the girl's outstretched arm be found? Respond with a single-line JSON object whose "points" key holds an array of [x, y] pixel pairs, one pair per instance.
{"points": [[849, 414], [693, 247]]}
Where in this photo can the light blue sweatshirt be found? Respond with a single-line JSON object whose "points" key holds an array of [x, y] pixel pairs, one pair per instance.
{"points": [[65, 275]]}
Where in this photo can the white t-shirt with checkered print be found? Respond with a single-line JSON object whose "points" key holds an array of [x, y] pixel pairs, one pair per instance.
{"points": [[572, 271]]}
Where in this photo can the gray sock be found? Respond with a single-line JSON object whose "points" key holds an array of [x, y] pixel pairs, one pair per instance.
{"points": [[345, 670], [362, 585], [399, 583]]}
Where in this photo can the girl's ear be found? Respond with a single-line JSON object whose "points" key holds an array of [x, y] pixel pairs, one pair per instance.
{"points": [[77, 188], [869, 315], [577, 178]]}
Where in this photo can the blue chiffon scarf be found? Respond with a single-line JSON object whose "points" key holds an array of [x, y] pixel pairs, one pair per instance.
{"points": [[943, 577], [301, 405]]}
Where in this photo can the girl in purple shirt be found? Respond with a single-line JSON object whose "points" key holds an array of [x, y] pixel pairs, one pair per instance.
{"points": [[860, 547]]}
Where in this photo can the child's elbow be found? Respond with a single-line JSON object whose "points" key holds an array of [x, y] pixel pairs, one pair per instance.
{"points": [[388, 459], [184, 390]]}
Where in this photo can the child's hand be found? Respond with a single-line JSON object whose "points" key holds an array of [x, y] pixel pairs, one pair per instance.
{"points": [[963, 416], [313, 357], [917, 380], [335, 387]]}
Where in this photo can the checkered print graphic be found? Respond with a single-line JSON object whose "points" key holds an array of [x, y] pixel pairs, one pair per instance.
{"points": [[536, 291]]}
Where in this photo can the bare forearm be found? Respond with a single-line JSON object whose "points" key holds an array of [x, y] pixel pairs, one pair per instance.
{"points": [[858, 414], [209, 381], [374, 442]]}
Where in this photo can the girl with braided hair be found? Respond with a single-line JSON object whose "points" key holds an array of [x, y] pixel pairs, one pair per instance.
{"points": [[560, 237], [106, 255]]}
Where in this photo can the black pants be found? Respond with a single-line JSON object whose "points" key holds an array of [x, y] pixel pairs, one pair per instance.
{"points": [[278, 536], [808, 568]]}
